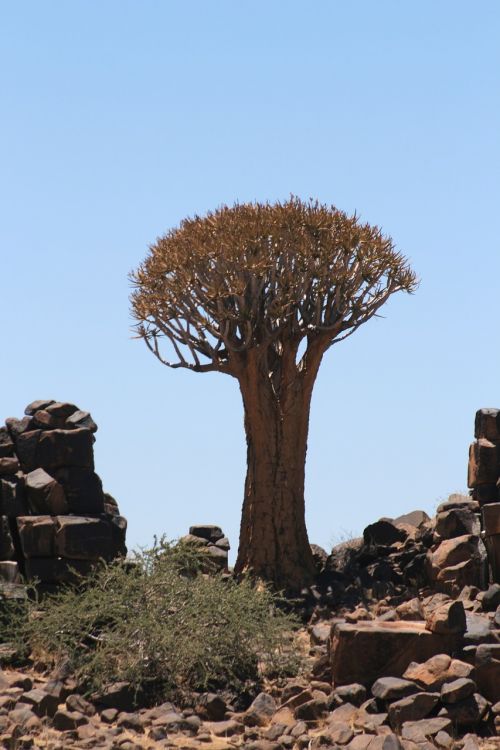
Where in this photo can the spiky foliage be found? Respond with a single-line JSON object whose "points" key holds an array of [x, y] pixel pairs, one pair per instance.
{"points": [[263, 277], [160, 624]]}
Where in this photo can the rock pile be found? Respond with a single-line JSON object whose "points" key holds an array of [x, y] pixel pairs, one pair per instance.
{"points": [[54, 516], [213, 542], [388, 561]]}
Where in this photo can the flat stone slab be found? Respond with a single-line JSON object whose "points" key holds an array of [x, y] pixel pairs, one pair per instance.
{"points": [[363, 651]]}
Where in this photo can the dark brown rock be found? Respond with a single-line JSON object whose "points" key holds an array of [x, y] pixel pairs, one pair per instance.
{"points": [[83, 490], [13, 496], [23, 716], [17, 426], [354, 693], [36, 405], [486, 493], [57, 569], [425, 729], [44, 421], [53, 449], [392, 688], [41, 702], [387, 741], [9, 465], [491, 518], [487, 424], [207, 531], [61, 409], [363, 652], [66, 448], [453, 551], [416, 518], [44, 494], [84, 538], [26, 449], [384, 533], [457, 522], [437, 670], [6, 444], [483, 463], [211, 707], [457, 690], [216, 557], [467, 712], [119, 695], [456, 563], [37, 535], [6, 543], [491, 598], [108, 715], [447, 618], [311, 710], [492, 544], [488, 671], [260, 711], [131, 721], [81, 419], [412, 708], [65, 720], [9, 572]]}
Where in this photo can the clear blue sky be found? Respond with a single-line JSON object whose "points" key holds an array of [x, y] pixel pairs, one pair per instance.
{"points": [[118, 118]]}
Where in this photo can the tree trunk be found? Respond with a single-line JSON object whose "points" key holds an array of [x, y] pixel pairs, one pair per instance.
{"points": [[273, 536]]}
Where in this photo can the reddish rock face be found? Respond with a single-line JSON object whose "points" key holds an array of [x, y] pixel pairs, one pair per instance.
{"points": [[483, 463], [365, 651]]}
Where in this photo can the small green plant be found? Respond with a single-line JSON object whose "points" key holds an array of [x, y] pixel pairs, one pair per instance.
{"points": [[159, 623]]}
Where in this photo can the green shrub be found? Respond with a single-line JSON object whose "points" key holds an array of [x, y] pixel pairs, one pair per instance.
{"points": [[161, 624]]}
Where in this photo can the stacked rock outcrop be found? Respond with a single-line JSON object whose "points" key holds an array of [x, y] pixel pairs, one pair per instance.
{"points": [[54, 516], [214, 543], [484, 481]]}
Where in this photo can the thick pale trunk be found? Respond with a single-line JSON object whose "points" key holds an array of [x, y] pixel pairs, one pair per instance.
{"points": [[273, 537]]}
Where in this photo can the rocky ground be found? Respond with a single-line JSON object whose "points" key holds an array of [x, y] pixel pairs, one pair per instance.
{"points": [[401, 639]]}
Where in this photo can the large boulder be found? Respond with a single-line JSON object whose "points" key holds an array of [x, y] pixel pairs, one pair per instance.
{"points": [[13, 496], [83, 490], [37, 536], [51, 449], [491, 518], [455, 522], [44, 493], [457, 562], [384, 533], [487, 424], [86, 538], [364, 651]]}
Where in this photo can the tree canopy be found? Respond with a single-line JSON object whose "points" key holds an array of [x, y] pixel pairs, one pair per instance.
{"points": [[259, 276]]}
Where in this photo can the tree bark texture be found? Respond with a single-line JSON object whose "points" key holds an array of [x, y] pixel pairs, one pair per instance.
{"points": [[273, 536]]}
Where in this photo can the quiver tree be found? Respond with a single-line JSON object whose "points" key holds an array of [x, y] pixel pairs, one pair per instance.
{"points": [[260, 292]]}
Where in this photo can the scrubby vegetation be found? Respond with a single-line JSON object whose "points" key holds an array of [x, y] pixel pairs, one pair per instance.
{"points": [[159, 623]]}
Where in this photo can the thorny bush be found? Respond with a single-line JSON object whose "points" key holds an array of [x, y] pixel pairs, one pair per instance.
{"points": [[160, 623]]}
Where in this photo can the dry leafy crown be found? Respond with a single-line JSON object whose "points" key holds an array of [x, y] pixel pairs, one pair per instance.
{"points": [[259, 276]]}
